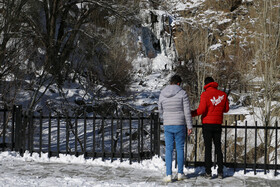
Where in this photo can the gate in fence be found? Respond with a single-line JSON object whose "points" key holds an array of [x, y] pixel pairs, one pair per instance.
{"points": [[247, 145]]}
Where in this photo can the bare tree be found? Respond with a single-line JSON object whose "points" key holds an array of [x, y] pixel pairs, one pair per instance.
{"points": [[60, 43], [267, 56], [267, 66], [12, 43]]}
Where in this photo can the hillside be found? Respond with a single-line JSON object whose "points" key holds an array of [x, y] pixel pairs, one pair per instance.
{"points": [[222, 39], [115, 57]]}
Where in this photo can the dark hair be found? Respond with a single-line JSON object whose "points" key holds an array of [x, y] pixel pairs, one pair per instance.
{"points": [[208, 80], [175, 79]]}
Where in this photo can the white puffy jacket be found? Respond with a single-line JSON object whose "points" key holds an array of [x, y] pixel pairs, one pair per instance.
{"points": [[174, 106]]}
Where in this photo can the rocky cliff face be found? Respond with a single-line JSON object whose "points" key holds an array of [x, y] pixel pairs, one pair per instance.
{"points": [[219, 27], [213, 36], [156, 33], [219, 34], [181, 30]]}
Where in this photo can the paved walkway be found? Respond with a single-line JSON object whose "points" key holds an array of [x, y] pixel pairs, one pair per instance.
{"points": [[25, 173]]}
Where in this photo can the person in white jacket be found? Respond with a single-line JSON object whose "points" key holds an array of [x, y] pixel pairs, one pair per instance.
{"points": [[174, 106]]}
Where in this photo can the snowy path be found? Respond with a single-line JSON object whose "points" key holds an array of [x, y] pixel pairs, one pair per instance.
{"points": [[70, 171]]}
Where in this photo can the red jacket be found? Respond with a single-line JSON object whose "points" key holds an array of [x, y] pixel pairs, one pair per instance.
{"points": [[213, 103]]}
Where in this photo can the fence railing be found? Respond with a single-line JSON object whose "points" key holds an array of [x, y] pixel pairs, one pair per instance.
{"points": [[92, 136], [135, 138], [244, 146]]}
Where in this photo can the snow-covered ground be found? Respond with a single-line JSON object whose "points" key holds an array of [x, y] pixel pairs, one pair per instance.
{"points": [[77, 171], [153, 74]]}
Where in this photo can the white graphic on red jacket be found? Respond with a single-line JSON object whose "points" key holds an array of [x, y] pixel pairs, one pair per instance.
{"points": [[215, 101]]}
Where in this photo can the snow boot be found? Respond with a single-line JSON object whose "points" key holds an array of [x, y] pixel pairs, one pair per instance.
{"points": [[168, 178], [181, 176]]}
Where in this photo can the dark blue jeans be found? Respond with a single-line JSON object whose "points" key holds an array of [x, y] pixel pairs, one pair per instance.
{"points": [[175, 133], [212, 132]]}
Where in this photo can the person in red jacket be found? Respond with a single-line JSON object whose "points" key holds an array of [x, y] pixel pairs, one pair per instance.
{"points": [[213, 103]]}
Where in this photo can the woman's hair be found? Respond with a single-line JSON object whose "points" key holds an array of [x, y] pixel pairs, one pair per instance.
{"points": [[175, 79]]}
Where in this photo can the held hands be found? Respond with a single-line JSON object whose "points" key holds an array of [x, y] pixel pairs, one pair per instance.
{"points": [[194, 113], [189, 131]]}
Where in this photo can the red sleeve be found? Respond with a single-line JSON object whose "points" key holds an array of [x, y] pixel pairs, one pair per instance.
{"points": [[202, 106]]}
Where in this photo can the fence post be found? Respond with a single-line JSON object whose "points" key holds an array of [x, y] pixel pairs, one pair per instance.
{"points": [[235, 142], [265, 147], [18, 127], [4, 127], [276, 138], [157, 134], [13, 129]]}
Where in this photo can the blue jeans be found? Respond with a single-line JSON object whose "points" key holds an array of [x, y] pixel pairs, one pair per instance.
{"points": [[177, 133]]}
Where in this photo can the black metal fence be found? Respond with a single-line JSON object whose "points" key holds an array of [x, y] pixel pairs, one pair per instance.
{"points": [[249, 147], [133, 137], [112, 137]]}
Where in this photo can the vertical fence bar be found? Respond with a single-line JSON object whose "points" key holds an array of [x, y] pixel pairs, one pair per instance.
{"points": [[49, 136], [93, 135], [276, 146], [76, 134], [245, 151], [67, 133], [29, 131], [4, 128], [13, 128], [130, 139], [235, 141], [142, 133], [151, 137], [121, 131], [255, 159], [41, 133], [138, 138], [32, 132], [103, 138], [112, 138], [85, 134], [265, 147], [58, 135], [156, 134], [22, 144], [18, 128], [21, 130], [225, 148], [24, 134], [195, 149]]}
